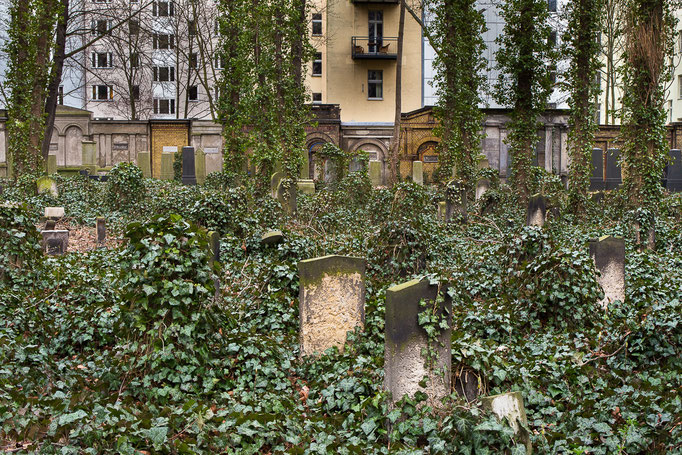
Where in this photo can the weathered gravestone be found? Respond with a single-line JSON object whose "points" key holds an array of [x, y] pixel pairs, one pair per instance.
{"points": [[200, 166], [597, 177], [482, 186], [609, 257], [275, 179], [306, 186], [167, 159], [673, 171], [51, 164], [331, 301], [189, 176], [54, 213], [272, 238], [418, 172], [144, 164], [442, 207], [406, 342], [509, 406], [375, 173], [101, 232], [613, 171], [48, 185], [50, 225], [537, 211], [89, 156], [286, 195], [55, 242], [456, 202]]}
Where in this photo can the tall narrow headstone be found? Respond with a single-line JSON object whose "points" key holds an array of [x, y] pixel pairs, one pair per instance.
{"points": [[405, 366], [537, 211], [613, 172], [55, 242], [144, 163], [442, 207], [286, 195], [47, 185], [674, 171], [189, 176], [482, 186], [51, 164], [509, 406], [418, 172], [456, 202], [101, 232], [305, 167], [167, 159], [609, 257], [89, 156], [597, 178], [331, 301], [200, 166], [375, 173]]}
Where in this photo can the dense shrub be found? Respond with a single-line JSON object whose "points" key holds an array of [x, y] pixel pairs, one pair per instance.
{"points": [[125, 185], [20, 243]]}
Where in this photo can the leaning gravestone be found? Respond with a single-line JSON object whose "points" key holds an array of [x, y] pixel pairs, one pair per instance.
{"points": [[101, 232], [331, 301], [509, 406], [442, 207], [272, 238], [47, 184], [609, 257], [189, 176], [456, 202], [537, 211], [406, 342], [482, 186], [55, 242], [418, 172]]}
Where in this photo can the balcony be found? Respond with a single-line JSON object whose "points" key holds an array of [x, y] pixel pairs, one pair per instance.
{"points": [[364, 48]]}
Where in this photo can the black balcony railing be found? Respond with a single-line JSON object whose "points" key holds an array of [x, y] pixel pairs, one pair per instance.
{"points": [[363, 47]]}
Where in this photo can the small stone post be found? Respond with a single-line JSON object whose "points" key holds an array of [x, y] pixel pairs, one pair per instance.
{"points": [[609, 257], [537, 211], [331, 301], [55, 242], [418, 172], [189, 176], [167, 159], [404, 365], [144, 163], [482, 186], [375, 173], [510, 406], [101, 232]]}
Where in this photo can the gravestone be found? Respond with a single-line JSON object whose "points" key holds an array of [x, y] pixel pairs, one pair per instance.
{"points": [[674, 172], [272, 238], [613, 174], [47, 185], [89, 156], [482, 186], [609, 257], [597, 178], [304, 174], [442, 207], [276, 177], [418, 172], [50, 225], [537, 211], [331, 301], [54, 213], [55, 242], [406, 341], [200, 166], [214, 160], [51, 164], [456, 203], [214, 242], [144, 163], [483, 162], [286, 195], [101, 232], [375, 173], [189, 176], [564, 181], [509, 406], [306, 186], [167, 159], [644, 238]]}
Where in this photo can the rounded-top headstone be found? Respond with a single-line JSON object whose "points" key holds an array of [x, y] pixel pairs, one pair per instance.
{"points": [[47, 184], [272, 238], [608, 253]]}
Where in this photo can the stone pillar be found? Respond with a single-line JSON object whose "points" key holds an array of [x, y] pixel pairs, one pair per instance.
{"points": [[482, 186], [101, 232], [55, 242], [537, 211], [609, 257], [200, 166], [144, 163], [331, 301], [375, 173], [189, 176], [51, 164], [418, 172], [89, 156], [509, 406], [167, 159], [406, 340]]}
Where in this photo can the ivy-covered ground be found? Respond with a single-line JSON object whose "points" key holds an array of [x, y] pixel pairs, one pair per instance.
{"points": [[126, 351]]}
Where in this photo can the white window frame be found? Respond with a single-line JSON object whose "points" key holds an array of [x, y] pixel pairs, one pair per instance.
{"points": [[157, 73], [156, 41], [157, 106], [314, 101], [189, 97], [170, 8], [109, 57], [380, 83], [317, 61], [109, 95], [94, 26], [219, 62], [316, 21]]}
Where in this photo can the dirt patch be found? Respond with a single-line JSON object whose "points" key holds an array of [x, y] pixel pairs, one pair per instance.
{"points": [[83, 238]]}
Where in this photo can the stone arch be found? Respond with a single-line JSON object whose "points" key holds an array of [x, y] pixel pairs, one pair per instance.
{"points": [[377, 152], [73, 145], [427, 153]]}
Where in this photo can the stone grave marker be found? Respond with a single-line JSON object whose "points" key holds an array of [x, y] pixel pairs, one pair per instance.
{"points": [[276, 178], [214, 242], [55, 242], [54, 213], [50, 225], [456, 202], [331, 301], [442, 207], [306, 186], [89, 156], [144, 163], [51, 164], [509, 406], [287, 197], [101, 231], [609, 257], [597, 178], [189, 176], [482, 186], [483, 162], [537, 210], [375, 173], [673, 172], [406, 340], [200, 166], [272, 238], [613, 171], [167, 159], [47, 184], [418, 172]]}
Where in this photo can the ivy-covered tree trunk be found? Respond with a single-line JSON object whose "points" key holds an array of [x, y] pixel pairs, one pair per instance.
{"points": [[649, 35], [524, 60], [582, 47]]}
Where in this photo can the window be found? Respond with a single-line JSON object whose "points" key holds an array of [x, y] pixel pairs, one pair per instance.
{"points": [[552, 38], [192, 27], [161, 41], [60, 95], [317, 98], [134, 60], [102, 93], [193, 93], [134, 27], [679, 41], [164, 74], [317, 64], [193, 60], [375, 85], [317, 23], [163, 9], [102, 60], [219, 63], [136, 92], [670, 111], [679, 87], [551, 5], [164, 106], [100, 26], [376, 30]]}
